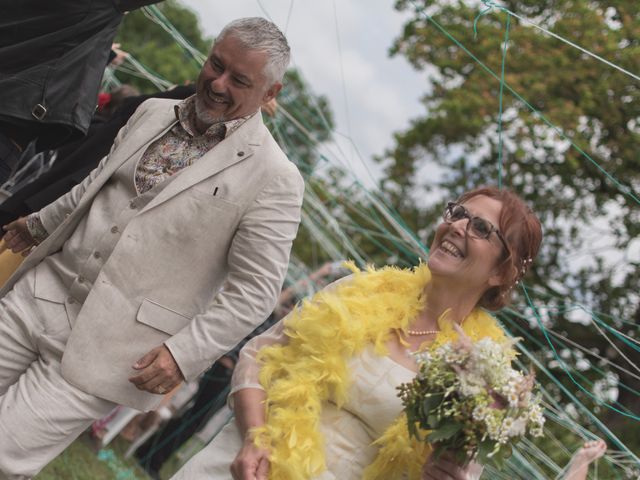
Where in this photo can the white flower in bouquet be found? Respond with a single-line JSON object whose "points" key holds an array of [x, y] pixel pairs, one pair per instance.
{"points": [[468, 398]]}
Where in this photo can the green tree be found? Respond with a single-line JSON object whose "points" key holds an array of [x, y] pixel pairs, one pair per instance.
{"points": [[595, 106], [340, 220], [157, 50]]}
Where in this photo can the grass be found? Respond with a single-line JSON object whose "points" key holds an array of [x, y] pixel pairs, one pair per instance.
{"points": [[81, 462]]}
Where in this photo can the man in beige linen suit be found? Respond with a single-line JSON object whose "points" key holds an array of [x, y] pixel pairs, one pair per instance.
{"points": [[169, 253]]}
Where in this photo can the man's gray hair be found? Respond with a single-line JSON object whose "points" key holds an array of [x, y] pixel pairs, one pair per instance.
{"points": [[260, 34]]}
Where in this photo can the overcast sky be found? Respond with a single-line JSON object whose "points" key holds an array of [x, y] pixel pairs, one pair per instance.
{"points": [[336, 40]]}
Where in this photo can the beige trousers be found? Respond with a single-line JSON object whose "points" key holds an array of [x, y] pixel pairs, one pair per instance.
{"points": [[40, 412]]}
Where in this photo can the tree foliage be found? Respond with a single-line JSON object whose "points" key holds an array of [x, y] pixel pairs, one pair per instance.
{"points": [[157, 50], [590, 224]]}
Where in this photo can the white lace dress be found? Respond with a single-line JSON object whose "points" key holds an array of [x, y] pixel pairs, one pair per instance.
{"points": [[371, 408]]}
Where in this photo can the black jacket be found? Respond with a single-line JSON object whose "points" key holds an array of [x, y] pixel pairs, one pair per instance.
{"points": [[77, 159], [52, 58]]}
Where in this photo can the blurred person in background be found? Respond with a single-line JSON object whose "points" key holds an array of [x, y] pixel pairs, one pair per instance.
{"points": [[52, 58]]}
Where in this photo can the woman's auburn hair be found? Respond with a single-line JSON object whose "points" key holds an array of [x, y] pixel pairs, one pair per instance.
{"points": [[522, 232]]}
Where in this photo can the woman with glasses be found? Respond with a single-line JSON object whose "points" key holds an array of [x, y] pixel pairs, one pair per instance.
{"points": [[315, 396]]}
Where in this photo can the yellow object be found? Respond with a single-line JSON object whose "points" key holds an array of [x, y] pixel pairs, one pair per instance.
{"points": [[312, 367], [9, 263]]}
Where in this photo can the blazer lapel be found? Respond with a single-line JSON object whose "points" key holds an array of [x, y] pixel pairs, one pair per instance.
{"points": [[239, 146], [142, 135]]}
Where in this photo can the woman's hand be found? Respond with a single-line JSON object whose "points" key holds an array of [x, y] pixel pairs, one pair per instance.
{"points": [[445, 468], [591, 451], [251, 463], [579, 466]]}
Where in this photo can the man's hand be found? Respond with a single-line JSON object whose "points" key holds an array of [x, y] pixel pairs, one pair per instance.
{"points": [[159, 371], [251, 463], [445, 468], [17, 237]]}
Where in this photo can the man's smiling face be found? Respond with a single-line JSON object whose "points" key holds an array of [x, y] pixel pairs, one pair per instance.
{"points": [[232, 83]]}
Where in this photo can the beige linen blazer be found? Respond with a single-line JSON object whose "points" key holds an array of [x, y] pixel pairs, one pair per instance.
{"points": [[227, 221]]}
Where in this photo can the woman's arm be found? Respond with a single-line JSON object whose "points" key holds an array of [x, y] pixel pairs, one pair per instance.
{"points": [[248, 400], [247, 371], [249, 409], [252, 462]]}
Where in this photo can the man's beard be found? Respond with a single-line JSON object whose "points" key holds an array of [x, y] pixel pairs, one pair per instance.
{"points": [[204, 115]]}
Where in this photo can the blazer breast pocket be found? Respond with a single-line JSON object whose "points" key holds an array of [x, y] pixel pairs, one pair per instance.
{"points": [[207, 210], [212, 196], [161, 318]]}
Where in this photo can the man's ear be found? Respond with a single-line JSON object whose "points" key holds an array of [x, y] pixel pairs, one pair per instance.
{"points": [[272, 92]]}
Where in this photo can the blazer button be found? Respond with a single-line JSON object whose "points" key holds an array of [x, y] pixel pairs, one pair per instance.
{"points": [[114, 229], [80, 279], [241, 154], [71, 300], [132, 205], [96, 255]]}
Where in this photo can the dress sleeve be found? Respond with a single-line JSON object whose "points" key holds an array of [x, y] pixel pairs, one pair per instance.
{"points": [[246, 371]]}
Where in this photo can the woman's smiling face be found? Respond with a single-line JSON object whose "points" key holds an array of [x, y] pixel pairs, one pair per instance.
{"points": [[472, 263]]}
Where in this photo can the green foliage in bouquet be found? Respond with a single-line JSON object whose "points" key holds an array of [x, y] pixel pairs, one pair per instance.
{"points": [[468, 400]]}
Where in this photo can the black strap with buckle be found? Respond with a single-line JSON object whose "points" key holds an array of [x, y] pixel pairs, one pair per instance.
{"points": [[39, 111]]}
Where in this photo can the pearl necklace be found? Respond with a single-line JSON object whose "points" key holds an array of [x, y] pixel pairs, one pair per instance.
{"points": [[418, 333]]}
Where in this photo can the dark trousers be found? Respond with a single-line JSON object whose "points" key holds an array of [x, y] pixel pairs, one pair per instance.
{"points": [[210, 397]]}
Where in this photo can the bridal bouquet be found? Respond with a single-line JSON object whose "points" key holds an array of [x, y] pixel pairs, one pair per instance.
{"points": [[471, 401]]}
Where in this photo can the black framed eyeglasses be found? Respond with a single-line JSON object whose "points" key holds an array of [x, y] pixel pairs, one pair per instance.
{"points": [[477, 227]]}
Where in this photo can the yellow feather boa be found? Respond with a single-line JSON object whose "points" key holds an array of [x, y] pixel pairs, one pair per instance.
{"points": [[323, 334]]}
